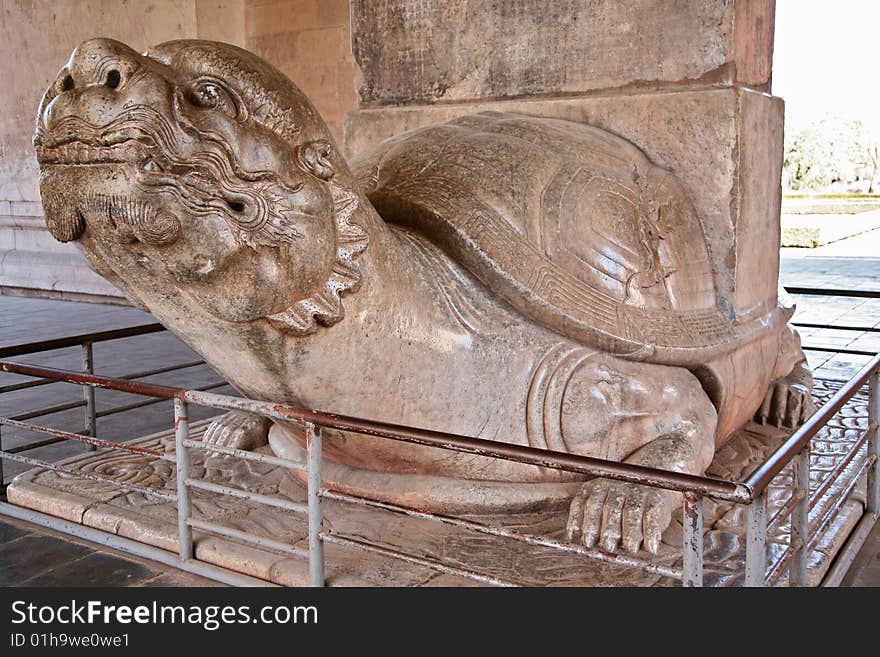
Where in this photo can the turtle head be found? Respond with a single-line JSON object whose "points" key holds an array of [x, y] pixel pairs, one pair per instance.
{"points": [[199, 167]]}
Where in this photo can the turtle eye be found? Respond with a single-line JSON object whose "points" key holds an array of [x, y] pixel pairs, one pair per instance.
{"points": [[210, 94]]}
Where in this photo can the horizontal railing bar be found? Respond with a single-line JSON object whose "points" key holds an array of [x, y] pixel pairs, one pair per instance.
{"points": [[839, 499], [162, 370], [839, 467], [598, 555], [835, 350], [837, 327], [66, 435], [105, 382], [12, 387], [722, 489], [137, 375], [49, 410], [433, 564], [785, 509], [87, 475], [35, 445], [761, 477], [150, 402], [261, 541], [128, 407], [248, 456], [131, 546], [77, 340], [718, 488], [288, 505], [831, 292], [777, 568]]}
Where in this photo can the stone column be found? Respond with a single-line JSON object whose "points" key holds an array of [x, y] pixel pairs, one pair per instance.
{"points": [[687, 82]]}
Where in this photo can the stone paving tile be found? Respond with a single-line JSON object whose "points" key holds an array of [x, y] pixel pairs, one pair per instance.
{"points": [[10, 532], [94, 569], [35, 556]]}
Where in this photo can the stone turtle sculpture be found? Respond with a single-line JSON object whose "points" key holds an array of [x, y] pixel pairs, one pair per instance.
{"points": [[515, 278]]}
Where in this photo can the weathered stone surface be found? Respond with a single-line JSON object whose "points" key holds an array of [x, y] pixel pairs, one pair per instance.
{"points": [[454, 50], [526, 279]]}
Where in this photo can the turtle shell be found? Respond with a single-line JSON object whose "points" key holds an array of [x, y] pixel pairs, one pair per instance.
{"points": [[568, 223]]}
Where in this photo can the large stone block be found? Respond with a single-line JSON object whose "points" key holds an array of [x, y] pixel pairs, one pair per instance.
{"points": [[425, 51], [724, 144]]}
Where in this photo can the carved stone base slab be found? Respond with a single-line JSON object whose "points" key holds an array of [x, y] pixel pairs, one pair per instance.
{"points": [[154, 521]]}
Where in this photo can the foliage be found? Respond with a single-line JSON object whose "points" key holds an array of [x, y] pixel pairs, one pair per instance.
{"points": [[832, 153]]}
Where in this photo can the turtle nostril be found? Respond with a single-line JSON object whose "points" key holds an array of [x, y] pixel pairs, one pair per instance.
{"points": [[67, 83], [113, 79]]}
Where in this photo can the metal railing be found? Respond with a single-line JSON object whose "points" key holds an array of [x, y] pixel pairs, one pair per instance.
{"points": [[751, 491], [85, 342]]}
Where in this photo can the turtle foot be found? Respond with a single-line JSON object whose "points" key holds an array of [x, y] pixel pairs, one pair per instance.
{"points": [[610, 514], [238, 430], [788, 402]]}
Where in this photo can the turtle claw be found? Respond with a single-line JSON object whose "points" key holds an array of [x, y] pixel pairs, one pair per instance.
{"points": [[788, 402], [610, 515]]}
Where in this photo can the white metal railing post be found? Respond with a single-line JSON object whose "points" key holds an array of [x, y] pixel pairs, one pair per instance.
{"points": [[316, 516], [2, 485], [184, 506], [800, 518], [89, 393], [692, 542], [872, 505], [756, 541]]}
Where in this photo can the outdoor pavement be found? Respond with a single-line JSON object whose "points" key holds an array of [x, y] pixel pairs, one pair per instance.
{"points": [[32, 556]]}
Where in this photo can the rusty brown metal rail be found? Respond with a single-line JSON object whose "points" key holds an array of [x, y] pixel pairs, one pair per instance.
{"points": [[719, 488], [760, 478]]}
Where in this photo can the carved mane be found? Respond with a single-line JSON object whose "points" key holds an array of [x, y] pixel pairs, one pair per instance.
{"points": [[275, 104]]}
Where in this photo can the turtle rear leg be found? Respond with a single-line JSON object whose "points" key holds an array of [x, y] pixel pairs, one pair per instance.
{"points": [[238, 430]]}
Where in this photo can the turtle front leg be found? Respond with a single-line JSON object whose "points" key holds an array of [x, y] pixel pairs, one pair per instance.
{"points": [[609, 514], [238, 430], [650, 415]]}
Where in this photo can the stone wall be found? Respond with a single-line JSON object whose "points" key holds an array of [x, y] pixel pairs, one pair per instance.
{"points": [[687, 82], [307, 39]]}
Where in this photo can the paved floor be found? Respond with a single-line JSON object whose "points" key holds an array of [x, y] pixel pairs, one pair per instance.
{"points": [[32, 556]]}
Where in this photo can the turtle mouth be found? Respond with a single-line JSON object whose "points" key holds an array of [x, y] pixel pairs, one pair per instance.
{"points": [[79, 152]]}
